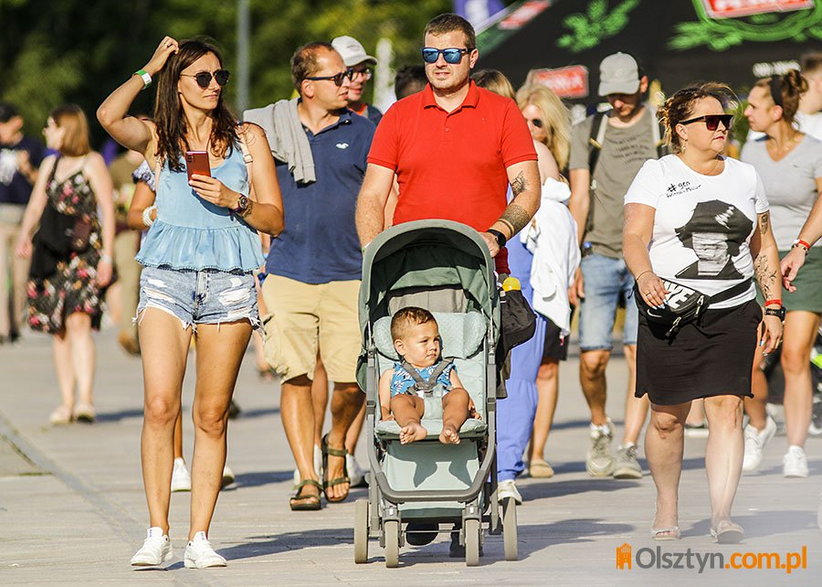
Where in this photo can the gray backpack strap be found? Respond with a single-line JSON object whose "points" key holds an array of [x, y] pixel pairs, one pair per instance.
{"points": [[423, 385], [595, 141]]}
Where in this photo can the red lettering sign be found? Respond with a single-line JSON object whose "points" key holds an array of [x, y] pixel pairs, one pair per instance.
{"points": [[565, 82], [523, 15], [735, 8]]}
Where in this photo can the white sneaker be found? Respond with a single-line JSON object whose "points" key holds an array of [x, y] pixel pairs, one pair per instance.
{"points": [[795, 463], [228, 477], [200, 555], [180, 478], [155, 550], [508, 488], [600, 462], [755, 441], [318, 465], [355, 473]]}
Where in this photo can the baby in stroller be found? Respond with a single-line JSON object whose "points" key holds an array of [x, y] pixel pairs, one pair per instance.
{"points": [[417, 341]]}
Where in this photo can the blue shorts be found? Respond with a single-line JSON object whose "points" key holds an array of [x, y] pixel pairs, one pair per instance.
{"points": [[200, 297], [605, 279]]}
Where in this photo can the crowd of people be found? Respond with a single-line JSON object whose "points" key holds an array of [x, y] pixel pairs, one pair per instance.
{"points": [[213, 228]]}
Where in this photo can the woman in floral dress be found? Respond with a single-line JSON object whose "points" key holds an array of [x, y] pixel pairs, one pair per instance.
{"points": [[64, 292]]}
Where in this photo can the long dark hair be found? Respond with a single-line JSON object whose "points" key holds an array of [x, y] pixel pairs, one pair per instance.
{"points": [[168, 113]]}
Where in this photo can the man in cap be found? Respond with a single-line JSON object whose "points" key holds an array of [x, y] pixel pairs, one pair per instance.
{"points": [[361, 65], [607, 151]]}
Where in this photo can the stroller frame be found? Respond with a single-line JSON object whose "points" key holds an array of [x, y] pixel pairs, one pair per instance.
{"points": [[380, 517]]}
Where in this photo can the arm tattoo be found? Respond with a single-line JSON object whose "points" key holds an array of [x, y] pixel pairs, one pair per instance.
{"points": [[518, 184], [766, 277], [763, 223], [515, 217]]}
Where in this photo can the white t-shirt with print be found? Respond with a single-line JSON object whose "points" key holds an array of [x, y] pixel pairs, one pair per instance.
{"points": [[703, 223]]}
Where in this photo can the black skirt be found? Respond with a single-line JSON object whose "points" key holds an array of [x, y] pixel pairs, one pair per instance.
{"points": [[710, 356]]}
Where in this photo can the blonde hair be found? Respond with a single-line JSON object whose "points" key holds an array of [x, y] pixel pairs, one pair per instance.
{"points": [[73, 121], [555, 117], [494, 81]]}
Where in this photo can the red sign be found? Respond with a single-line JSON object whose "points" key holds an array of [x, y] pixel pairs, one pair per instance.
{"points": [[565, 82], [523, 15], [735, 8]]}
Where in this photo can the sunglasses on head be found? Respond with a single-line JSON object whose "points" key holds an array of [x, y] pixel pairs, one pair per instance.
{"points": [[712, 120], [204, 78], [337, 78], [430, 55]]}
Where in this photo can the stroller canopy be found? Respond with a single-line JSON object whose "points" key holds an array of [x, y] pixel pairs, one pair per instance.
{"points": [[427, 254]]}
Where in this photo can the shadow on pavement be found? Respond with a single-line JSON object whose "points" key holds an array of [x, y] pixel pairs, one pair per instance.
{"points": [[259, 413], [763, 523], [258, 479], [288, 541], [121, 415]]}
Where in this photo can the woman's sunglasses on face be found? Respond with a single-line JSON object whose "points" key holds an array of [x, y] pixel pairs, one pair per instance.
{"points": [[337, 78], [535, 121], [204, 78], [712, 121], [452, 56]]}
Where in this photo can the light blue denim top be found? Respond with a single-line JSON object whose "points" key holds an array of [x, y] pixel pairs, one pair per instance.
{"points": [[194, 234]]}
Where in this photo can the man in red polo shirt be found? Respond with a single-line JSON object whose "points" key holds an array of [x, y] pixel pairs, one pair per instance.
{"points": [[453, 149]]}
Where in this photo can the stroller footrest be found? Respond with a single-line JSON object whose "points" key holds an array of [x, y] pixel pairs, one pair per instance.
{"points": [[390, 430]]}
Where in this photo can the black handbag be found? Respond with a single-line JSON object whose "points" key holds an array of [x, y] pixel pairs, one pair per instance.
{"points": [[518, 322], [683, 304]]}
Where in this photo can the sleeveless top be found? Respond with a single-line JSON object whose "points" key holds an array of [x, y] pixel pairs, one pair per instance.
{"points": [[191, 233]]}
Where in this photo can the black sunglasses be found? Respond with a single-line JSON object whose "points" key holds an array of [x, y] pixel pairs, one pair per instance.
{"points": [[337, 78], [430, 55], [712, 121], [203, 78], [535, 121], [363, 71]]}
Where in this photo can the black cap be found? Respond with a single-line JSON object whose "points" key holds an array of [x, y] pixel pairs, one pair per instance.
{"points": [[7, 112]]}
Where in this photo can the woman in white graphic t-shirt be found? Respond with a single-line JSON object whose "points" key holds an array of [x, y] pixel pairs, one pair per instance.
{"points": [[690, 219]]}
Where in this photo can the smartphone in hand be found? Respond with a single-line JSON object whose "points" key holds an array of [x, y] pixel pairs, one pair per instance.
{"points": [[197, 162]]}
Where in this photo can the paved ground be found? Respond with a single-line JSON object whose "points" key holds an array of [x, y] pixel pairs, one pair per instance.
{"points": [[72, 509]]}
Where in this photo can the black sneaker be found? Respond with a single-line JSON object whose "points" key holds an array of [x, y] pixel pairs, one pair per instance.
{"points": [[421, 533]]}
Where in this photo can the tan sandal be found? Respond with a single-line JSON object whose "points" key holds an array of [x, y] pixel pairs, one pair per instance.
{"points": [[306, 502], [540, 469], [61, 415]]}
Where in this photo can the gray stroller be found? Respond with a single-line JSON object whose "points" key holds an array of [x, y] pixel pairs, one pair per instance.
{"points": [[445, 267]]}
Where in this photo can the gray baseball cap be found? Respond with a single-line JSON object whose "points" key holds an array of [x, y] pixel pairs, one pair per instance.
{"points": [[352, 51], [618, 74]]}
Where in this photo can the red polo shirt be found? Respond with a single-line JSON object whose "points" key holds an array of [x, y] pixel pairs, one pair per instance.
{"points": [[452, 165]]}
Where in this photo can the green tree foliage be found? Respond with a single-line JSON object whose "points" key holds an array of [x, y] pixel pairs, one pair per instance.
{"points": [[57, 51]]}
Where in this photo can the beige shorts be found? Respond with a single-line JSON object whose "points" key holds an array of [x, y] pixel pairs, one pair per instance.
{"points": [[303, 319]]}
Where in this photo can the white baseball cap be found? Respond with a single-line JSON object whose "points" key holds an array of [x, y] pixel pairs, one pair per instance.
{"points": [[352, 51], [618, 74]]}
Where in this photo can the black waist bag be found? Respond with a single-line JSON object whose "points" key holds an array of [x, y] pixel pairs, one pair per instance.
{"points": [[683, 304], [518, 320]]}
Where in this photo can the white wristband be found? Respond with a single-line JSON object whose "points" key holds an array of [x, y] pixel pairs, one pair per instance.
{"points": [[147, 219]]}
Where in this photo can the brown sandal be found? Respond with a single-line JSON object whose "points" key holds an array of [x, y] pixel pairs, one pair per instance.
{"points": [[306, 502], [334, 452]]}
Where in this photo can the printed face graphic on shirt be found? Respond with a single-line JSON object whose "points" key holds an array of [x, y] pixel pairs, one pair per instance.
{"points": [[715, 233]]}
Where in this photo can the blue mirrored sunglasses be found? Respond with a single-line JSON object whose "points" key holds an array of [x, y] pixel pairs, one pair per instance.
{"points": [[430, 55]]}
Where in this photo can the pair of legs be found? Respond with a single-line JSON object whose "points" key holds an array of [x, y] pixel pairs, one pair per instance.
{"points": [[799, 336], [664, 444], [220, 350], [547, 394], [408, 411], [319, 399], [14, 272], [74, 357], [297, 410], [592, 367]]}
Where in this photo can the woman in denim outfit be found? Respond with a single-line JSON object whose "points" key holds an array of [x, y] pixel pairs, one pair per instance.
{"points": [[199, 254]]}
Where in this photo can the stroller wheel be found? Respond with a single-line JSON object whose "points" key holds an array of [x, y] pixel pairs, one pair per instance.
{"points": [[392, 543], [361, 531], [472, 542], [509, 529]]}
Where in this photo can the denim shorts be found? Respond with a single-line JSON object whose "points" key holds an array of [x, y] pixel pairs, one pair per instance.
{"points": [[200, 297], [605, 279]]}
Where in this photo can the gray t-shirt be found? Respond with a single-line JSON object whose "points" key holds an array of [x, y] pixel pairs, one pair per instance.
{"points": [[790, 185], [624, 150]]}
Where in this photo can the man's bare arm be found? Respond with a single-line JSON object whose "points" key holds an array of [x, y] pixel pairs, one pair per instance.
{"points": [[580, 202], [371, 202], [526, 188]]}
